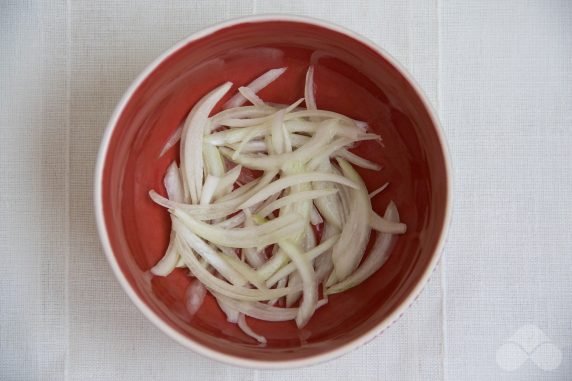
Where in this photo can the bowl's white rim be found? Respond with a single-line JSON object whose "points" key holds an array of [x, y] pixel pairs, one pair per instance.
{"points": [[204, 350]]}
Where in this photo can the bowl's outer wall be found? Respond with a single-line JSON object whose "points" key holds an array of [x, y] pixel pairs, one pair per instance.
{"points": [[351, 78]]}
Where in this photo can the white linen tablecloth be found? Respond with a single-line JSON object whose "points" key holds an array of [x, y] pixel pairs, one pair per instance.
{"points": [[499, 307]]}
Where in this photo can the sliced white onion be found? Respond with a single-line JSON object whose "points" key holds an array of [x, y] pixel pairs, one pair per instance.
{"points": [[234, 194], [383, 225], [209, 189], [310, 239], [247, 330], [269, 147], [277, 135], [327, 151], [332, 279], [173, 183], [289, 181], [322, 114], [250, 95], [192, 141], [276, 161], [274, 264], [173, 139], [181, 262], [357, 160], [281, 283], [324, 267], [254, 257], [174, 188], [255, 236], [259, 310], [328, 206], [245, 112], [224, 206], [345, 199], [246, 271], [256, 121], [374, 261], [217, 285], [232, 222], [312, 254], [240, 217], [315, 146], [294, 280], [350, 248], [259, 145], [169, 261], [222, 234], [323, 264], [378, 190], [236, 135], [296, 139], [256, 85], [248, 137], [227, 181], [259, 184], [214, 163], [231, 313], [203, 212], [252, 146], [287, 139], [227, 251], [292, 198], [310, 286], [206, 252], [309, 89]]}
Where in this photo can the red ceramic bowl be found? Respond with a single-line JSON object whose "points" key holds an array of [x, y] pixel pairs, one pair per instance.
{"points": [[353, 77]]}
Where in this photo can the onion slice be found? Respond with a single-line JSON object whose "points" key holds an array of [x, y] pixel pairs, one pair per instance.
{"points": [[312, 254], [289, 181], [250, 96], [259, 310], [378, 190], [383, 225], [254, 236], [192, 138], [174, 188], [224, 206], [357, 160], [247, 330], [328, 206], [207, 253], [295, 197], [309, 90], [256, 85], [308, 277], [217, 285], [376, 258], [349, 250], [173, 139], [227, 181], [209, 189]]}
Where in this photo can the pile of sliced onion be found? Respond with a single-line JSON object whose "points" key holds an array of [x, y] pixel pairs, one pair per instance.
{"points": [[268, 213]]}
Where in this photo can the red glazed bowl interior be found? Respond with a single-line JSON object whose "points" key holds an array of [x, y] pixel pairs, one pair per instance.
{"points": [[352, 77]]}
